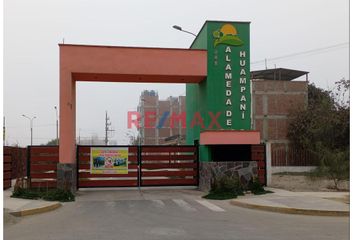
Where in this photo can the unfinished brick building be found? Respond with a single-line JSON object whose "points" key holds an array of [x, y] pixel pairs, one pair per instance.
{"points": [[274, 97], [160, 131]]}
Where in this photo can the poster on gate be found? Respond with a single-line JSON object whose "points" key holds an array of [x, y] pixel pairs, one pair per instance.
{"points": [[109, 160]]}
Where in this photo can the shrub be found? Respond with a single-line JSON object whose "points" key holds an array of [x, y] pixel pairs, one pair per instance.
{"points": [[323, 129], [333, 165], [49, 195], [26, 193], [224, 187], [58, 195], [257, 188]]}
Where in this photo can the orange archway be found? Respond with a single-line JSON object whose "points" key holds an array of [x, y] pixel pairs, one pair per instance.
{"points": [[118, 64]]}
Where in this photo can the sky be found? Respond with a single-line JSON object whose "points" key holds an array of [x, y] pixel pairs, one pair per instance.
{"points": [[308, 35]]}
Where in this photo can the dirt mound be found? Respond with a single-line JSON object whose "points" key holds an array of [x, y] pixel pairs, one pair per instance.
{"points": [[303, 183]]}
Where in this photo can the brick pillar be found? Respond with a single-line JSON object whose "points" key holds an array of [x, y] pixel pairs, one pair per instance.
{"points": [[67, 176]]}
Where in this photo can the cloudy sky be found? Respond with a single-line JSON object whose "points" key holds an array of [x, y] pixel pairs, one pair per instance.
{"points": [[310, 35]]}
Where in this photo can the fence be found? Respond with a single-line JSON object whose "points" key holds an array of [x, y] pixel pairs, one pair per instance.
{"points": [[169, 165], [292, 156], [43, 166], [7, 168], [147, 166], [15, 161]]}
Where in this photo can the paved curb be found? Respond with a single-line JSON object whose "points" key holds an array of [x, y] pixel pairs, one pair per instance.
{"points": [[38, 210], [302, 211]]}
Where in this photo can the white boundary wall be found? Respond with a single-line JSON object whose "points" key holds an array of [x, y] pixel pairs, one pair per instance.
{"points": [[293, 169], [271, 170]]}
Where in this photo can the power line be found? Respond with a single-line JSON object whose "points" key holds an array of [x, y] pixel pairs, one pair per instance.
{"points": [[312, 51]]}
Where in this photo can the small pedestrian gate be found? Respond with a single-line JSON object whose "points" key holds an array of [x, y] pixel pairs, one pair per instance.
{"points": [[147, 166]]}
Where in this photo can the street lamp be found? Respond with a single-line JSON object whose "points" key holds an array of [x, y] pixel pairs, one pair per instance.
{"points": [[180, 29], [56, 113], [31, 125]]}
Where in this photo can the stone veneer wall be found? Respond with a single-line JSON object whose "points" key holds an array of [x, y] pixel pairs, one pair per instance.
{"points": [[244, 170], [67, 177]]}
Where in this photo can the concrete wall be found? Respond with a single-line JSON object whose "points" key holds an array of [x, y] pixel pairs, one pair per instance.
{"points": [[293, 169]]}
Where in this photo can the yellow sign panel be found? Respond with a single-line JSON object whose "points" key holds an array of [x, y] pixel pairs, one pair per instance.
{"points": [[109, 160]]}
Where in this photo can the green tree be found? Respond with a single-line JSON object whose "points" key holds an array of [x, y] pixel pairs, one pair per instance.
{"points": [[323, 129], [333, 164], [52, 142]]}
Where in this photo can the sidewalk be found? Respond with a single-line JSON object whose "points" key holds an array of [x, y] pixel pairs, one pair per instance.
{"points": [[307, 203], [23, 207]]}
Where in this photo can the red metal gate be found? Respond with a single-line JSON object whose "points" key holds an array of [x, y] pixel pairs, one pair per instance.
{"points": [[42, 166], [147, 166], [169, 165]]}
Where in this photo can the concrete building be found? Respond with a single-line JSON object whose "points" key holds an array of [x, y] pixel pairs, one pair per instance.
{"points": [[156, 126], [274, 97]]}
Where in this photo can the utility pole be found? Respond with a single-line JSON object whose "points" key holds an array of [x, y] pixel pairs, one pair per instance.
{"points": [[31, 125], [107, 128]]}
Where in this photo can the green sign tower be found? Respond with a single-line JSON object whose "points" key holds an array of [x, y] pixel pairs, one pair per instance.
{"points": [[225, 95]]}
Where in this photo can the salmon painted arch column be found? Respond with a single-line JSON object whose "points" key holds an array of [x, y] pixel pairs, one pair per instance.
{"points": [[115, 64]]}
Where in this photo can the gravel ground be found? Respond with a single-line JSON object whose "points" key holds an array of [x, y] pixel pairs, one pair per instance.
{"points": [[302, 183]]}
